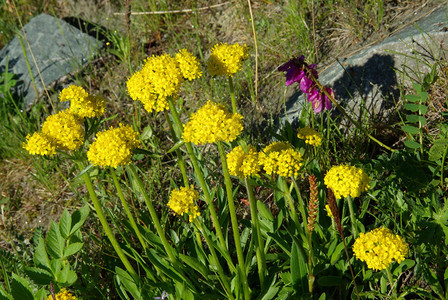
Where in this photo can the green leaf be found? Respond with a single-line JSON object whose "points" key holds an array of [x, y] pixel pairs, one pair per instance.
{"points": [[404, 266], [65, 224], [195, 264], [78, 218], [438, 149], [20, 289], [66, 276], [410, 129], [40, 255], [126, 282], [176, 146], [412, 144], [264, 211], [4, 295], [299, 272], [412, 98], [72, 249], [55, 241], [270, 294], [330, 281], [416, 119], [337, 253], [411, 106], [423, 109], [41, 294], [38, 275]]}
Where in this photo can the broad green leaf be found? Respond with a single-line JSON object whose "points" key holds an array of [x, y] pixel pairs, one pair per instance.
{"points": [[55, 241], [438, 149], [299, 271], [410, 129], [404, 266], [72, 249], [195, 264], [4, 295], [20, 289], [67, 276], [40, 255], [412, 98], [65, 224], [78, 218], [38, 275], [127, 282], [412, 144], [264, 211], [270, 294], [330, 281], [337, 253], [411, 106], [423, 109], [416, 119], [41, 294]]}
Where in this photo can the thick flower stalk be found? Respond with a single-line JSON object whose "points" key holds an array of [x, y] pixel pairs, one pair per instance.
{"points": [[297, 70], [39, 144], [311, 136], [183, 201], [212, 123], [65, 130], [346, 181], [242, 163], [81, 103], [226, 60], [280, 158], [113, 147], [379, 248], [62, 295]]}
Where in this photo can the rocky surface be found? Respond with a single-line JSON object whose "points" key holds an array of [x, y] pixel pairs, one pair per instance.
{"points": [[54, 49]]}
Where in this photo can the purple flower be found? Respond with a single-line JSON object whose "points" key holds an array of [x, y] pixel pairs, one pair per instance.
{"points": [[320, 100], [294, 70], [306, 84]]}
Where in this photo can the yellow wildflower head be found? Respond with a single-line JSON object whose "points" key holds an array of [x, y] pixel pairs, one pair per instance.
{"points": [[379, 248], [182, 201], [65, 130], [73, 93], [346, 180], [113, 147], [212, 123], [159, 78], [39, 144], [62, 295], [89, 107], [280, 158], [226, 59], [328, 209], [311, 136], [188, 64], [241, 163]]}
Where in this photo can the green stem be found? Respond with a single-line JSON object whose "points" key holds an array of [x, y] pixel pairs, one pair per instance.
{"points": [[292, 209], [301, 202], [153, 213], [391, 281], [261, 259], [105, 225], [232, 94], [233, 219], [126, 208], [180, 158], [352, 216]]}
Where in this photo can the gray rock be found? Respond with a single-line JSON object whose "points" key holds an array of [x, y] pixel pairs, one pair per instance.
{"points": [[370, 77], [58, 49]]}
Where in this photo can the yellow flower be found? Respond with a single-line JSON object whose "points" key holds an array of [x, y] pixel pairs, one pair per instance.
{"points": [[346, 180], [311, 136], [62, 295], [243, 164], [39, 144], [81, 103], [226, 59], [328, 209], [212, 123], [159, 78], [379, 248], [113, 147], [182, 201], [188, 64], [65, 130], [280, 158], [73, 93]]}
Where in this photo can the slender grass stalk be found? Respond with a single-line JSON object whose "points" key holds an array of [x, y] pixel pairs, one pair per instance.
{"points": [[232, 94], [292, 209], [153, 213], [233, 219], [299, 196], [200, 176], [391, 282], [126, 208], [261, 259], [5, 276], [221, 274], [352, 216], [105, 225]]}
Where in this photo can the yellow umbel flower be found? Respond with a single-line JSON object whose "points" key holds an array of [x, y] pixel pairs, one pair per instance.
{"points": [[188, 64], [280, 158], [346, 180], [65, 130], [182, 201], [73, 93], [212, 123], [226, 59], [81, 103], [62, 295], [379, 248], [159, 78], [113, 147], [241, 163], [39, 144], [311, 136]]}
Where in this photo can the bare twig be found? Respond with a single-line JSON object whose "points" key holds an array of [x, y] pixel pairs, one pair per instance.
{"points": [[180, 11]]}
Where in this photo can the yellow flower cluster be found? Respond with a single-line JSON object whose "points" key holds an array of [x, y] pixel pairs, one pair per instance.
{"points": [[226, 59], [39, 144], [379, 248], [280, 158], [212, 123], [182, 201], [241, 163], [346, 180], [311, 136], [161, 77], [328, 209], [188, 64], [113, 147], [65, 130], [81, 103], [62, 295]]}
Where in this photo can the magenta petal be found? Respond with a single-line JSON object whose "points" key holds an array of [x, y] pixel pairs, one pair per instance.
{"points": [[286, 66], [318, 104], [305, 84], [294, 75]]}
